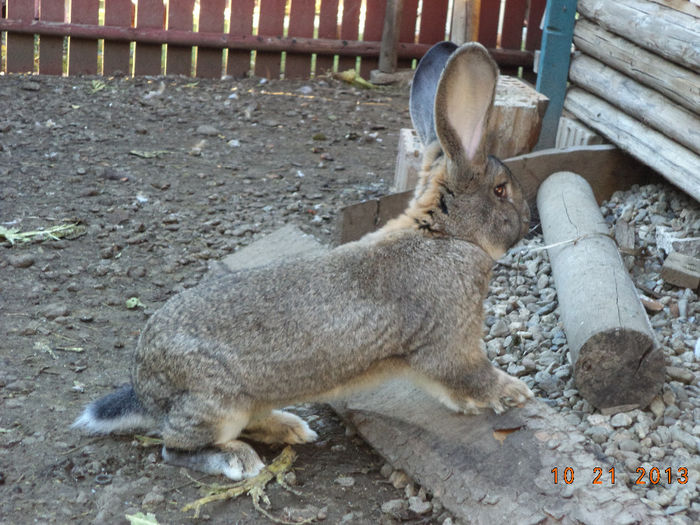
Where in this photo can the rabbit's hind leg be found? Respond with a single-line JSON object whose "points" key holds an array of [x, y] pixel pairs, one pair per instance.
{"points": [[279, 426], [188, 438]]}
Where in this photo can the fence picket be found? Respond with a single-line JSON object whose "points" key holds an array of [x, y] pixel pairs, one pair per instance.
{"points": [[488, 22], [301, 24], [20, 48], [238, 64], [51, 47], [116, 56], [534, 17], [407, 33], [327, 28], [82, 54], [374, 25], [211, 20], [271, 24], [179, 58], [349, 30], [148, 58], [513, 21]]}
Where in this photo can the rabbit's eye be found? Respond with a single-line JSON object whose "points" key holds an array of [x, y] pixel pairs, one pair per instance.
{"points": [[500, 191]]}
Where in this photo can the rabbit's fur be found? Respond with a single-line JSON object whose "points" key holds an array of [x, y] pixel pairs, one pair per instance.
{"points": [[218, 360]]}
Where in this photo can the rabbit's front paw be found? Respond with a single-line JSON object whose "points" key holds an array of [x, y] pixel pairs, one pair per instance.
{"points": [[509, 392], [280, 427]]}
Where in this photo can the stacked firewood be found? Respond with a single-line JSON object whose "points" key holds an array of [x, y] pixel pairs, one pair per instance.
{"points": [[635, 79]]}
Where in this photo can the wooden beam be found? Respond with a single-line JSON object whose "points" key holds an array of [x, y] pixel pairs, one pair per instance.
{"points": [[662, 30], [390, 36], [616, 358], [606, 168], [676, 82], [676, 163], [465, 21], [642, 103], [554, 64]]}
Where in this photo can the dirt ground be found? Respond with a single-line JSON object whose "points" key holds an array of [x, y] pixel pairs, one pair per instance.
{"points": [[162, 177]]}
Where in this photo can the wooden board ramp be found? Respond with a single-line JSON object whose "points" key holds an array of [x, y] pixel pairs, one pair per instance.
{"points": [[484, 468]]}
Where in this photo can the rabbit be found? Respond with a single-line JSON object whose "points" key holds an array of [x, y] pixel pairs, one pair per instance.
{"points": [[218, 361]]}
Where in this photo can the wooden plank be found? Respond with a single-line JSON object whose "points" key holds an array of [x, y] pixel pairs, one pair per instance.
{"points": [[606, 168], [407, 33], [676, 82], [488, 22], [554, 64], [271, 24], [491, 469], [82, 55], [211, 20], [20, 48], [117, 54], [301, 23], [664, 31], [150, 14], [327, 28], [676, 163], [432, 22], [51, 47], [681, 270], [642, 103], [374, 26], [534, 18], [180, 17], [238, 63], [617, 360], [349, 30], [513, 21]]}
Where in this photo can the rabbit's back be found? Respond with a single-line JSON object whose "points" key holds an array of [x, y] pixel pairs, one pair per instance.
{"points": [[296, 330]]}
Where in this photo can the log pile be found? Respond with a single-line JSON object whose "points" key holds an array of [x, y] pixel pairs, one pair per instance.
{"points": [[635, 80]]}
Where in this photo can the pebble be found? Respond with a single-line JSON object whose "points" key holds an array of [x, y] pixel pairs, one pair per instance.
{"points": [[22, 260], [345, 481], [621, 420], [54, 310], [394, 507], [418, 505], [207, 130], [680, 374], [399, 479]]}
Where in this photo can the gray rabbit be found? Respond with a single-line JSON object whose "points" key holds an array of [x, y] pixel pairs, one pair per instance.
{"points": [[219, 360]]}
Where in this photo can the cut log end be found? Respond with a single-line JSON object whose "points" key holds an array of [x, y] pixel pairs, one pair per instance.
{"points": [[619, 367]]}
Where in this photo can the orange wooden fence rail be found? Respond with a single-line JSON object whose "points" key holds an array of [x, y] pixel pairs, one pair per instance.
{"points": [[293, 38]]}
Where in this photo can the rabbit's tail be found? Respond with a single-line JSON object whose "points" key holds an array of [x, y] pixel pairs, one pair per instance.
{"points": [[118, 412]]}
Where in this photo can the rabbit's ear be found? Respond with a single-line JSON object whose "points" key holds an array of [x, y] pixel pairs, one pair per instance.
{"points": [[463, 104], [423, 88]]}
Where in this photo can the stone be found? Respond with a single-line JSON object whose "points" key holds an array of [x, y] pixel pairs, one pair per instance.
{"points": [[419, 506], [21, 260], [394, 507], [207, 130], [621, 420]]}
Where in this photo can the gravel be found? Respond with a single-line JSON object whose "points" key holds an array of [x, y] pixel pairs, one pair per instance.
{"points": [[524, 336]]}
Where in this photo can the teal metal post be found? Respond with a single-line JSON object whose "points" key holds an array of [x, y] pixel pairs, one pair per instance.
{"points": [[553, 69]]}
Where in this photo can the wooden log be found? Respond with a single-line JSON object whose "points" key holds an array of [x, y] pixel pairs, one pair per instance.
{"points": [[390, 36], [676, 163], [616, 358], [642, 103], [664, 31], [677, 83]]}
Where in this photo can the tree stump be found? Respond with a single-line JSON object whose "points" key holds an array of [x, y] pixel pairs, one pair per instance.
{"points": [[616, 358]]}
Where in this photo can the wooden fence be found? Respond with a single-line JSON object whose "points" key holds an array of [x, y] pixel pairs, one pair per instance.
{"points": [[269, 38]]}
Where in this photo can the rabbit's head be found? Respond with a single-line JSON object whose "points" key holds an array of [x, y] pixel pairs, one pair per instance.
{"points": [[463, 191]]}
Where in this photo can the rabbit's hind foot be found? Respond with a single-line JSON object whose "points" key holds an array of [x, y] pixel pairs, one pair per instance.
{"points": [[280, 427], [235, 460]]}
